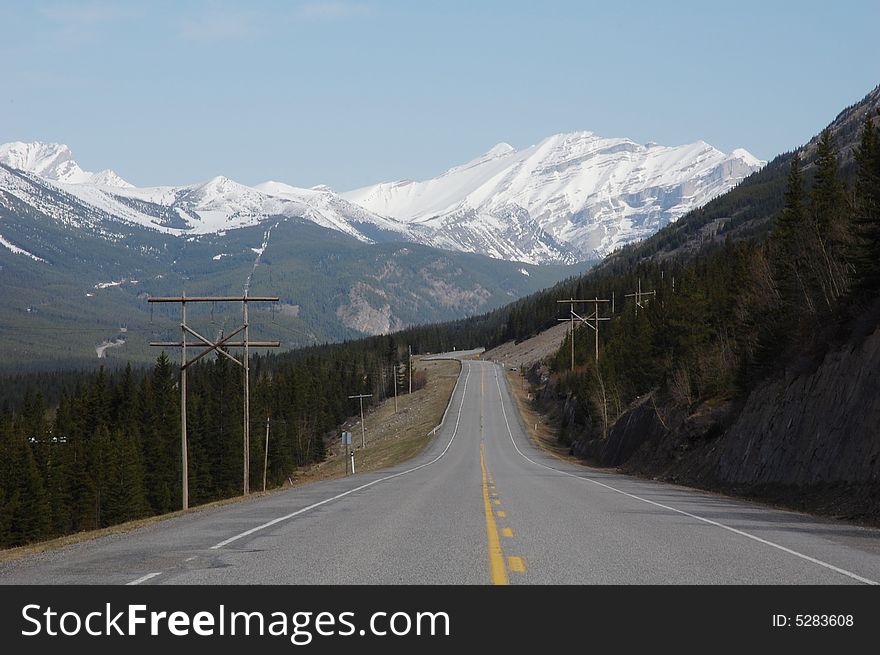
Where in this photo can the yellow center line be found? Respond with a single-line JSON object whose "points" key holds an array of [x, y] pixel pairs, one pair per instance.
{"points": [[516, 564], [507, 532], [496, 557]]}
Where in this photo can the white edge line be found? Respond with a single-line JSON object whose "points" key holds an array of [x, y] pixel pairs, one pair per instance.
{"points": [[286, 517], [813, 560], [143, 578]]}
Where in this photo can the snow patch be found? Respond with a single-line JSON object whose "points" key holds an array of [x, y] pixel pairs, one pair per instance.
{"points": [[19, 251], [107, 285], [101, 349]]}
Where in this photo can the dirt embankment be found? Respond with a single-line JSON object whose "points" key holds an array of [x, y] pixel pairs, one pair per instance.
{"points": [[529, 351]]}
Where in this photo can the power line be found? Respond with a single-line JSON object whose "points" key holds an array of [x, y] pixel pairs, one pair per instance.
{"points": [[220, 348]]}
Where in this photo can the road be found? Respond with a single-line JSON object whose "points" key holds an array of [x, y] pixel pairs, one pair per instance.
{"points": [[480, 505]]}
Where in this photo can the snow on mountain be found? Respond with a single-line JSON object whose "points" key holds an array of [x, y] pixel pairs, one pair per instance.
{"points": [[576, 192], [54, 161], [213, 206], [569, 198]]}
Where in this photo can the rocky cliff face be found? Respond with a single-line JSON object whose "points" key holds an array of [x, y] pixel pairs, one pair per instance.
{"points": [[809, 439], [813, 428]]}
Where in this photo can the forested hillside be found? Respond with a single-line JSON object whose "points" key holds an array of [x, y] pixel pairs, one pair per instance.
{"points": [[106, 449]]}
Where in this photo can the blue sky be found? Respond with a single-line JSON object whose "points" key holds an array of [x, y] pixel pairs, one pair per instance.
{"points": [[349, 92]]}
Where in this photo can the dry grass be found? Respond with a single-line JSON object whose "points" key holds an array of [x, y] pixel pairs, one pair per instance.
{"points": [[539, 429], [391, 439]]}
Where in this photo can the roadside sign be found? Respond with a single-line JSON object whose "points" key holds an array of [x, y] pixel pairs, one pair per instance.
{"points": [[346, 438]]}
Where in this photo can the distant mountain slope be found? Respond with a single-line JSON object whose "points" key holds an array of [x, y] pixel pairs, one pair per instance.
{"points": [[583, 195], [573, 197], [75, 279], [748, 209]]}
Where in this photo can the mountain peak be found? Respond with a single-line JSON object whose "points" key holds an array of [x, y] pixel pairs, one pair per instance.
{"points": [[499, 150], [54, 161], [747, 157]]}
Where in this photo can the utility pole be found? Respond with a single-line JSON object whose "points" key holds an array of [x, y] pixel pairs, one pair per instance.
{"points": [[410, 368], [596, 318], [640, 296], [396, 366], [361, 397], [266, 455], [573, 315], [218, 347], [184, 455]]}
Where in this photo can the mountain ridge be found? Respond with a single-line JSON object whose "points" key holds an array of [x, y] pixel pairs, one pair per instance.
{"points": [[469, 207]]}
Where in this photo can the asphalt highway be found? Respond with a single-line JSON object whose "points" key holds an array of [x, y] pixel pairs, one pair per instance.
{"points": [[480, 505]]}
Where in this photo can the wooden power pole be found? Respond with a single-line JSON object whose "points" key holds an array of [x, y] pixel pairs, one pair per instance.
{"points": [[594, 317], [361, 397], [642, 296], [218, 347]]}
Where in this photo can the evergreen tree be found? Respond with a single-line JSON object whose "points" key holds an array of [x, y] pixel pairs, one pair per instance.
{"points": [[830, 220], [866, 244], [790, 239]]}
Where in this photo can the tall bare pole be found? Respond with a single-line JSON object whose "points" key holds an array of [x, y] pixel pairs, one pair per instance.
{"points": [[363, 428], [410, 368], [395, 387], [572, 315], [246, 460], [641, 296], [596, 318], [266, 455], [218, 347], [184, 459]]}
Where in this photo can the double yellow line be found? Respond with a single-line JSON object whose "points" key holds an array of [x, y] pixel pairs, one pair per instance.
{"points": [[496, 556]]}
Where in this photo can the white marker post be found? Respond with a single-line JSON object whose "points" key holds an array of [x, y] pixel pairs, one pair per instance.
{"points": [[346, 441]]}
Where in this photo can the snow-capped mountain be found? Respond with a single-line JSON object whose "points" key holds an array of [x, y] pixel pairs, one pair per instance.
{"points": [[54, 161], [206, 208], [572, 196]]}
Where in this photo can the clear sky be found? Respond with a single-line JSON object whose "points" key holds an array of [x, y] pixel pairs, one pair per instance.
{"points": [[349, 92]]}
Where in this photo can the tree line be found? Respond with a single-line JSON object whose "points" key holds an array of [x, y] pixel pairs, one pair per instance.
{"points": [[109, 449]]}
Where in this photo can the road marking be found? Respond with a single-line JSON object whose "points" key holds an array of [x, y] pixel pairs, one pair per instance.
{"points": [[496, 557], [286, 517], [742, 533], [507, 532], [501, 514], [143, 578], [516, 564], [496, 501]]}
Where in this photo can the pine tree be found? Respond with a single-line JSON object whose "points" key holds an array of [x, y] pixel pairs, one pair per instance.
{"points": [[830, 220], [793, 218], [790, 243], [866, 244], [24, 512]]}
